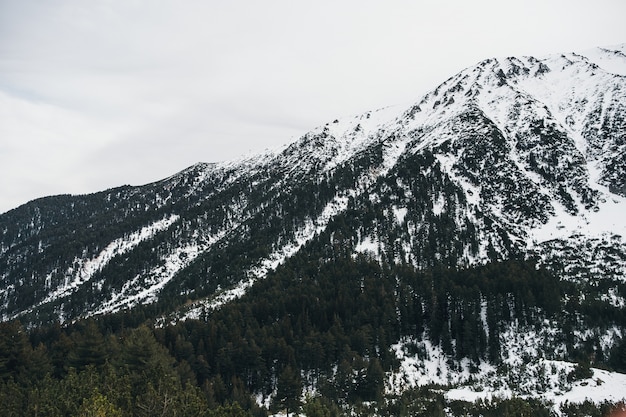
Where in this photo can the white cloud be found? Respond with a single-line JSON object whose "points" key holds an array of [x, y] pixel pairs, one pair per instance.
{"points": [[121, 91]]}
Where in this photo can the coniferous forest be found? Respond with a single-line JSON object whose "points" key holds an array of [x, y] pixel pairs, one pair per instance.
{"points": [[313, 338]]}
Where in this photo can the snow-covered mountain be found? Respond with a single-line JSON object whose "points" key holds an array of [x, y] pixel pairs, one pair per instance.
{"points": [[515, 152], [513, 158]]}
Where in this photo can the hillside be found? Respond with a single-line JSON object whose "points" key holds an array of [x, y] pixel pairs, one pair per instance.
{"points": [[474, 240]]}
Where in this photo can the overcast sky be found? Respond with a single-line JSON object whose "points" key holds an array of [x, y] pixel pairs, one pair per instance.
{"points": [[100, 93]]}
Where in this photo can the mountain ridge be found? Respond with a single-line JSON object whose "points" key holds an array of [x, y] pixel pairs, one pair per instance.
{"points": [[536, 147]]}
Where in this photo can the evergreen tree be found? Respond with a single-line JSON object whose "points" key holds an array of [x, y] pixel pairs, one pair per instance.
{"points": [[288, 390], [374, 381], [90, 347]]}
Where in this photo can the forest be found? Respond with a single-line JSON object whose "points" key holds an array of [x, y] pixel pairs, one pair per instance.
{"points": [[314, 337]]}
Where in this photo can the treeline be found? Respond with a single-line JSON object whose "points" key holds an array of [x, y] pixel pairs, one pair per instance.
{"points": [[84, 372], [323, 324]]}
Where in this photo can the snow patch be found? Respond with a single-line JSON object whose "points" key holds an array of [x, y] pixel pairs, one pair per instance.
{"points": [[368, 246], [523, 373], [608, 220], [611, 58], [145, 287], [602, 386], [422, 363], [439, 205], [84, 269], [400, 213], [304, 234]]}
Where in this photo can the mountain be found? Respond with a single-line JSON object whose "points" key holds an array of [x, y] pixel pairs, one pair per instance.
{"points": [[510, 163]]}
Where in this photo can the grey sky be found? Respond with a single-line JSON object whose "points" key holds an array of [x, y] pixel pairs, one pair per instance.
{"points": [[96, 94]]}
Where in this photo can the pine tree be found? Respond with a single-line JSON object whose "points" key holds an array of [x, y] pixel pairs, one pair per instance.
{"points": [[90, 347], [288, 390], [14, 349], [374, 381]]}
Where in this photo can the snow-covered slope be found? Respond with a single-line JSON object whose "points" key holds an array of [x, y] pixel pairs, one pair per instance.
{"points": [[513, 155], [527, 370]]}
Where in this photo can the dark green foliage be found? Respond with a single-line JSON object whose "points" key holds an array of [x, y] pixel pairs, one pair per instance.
{"points": [[19, 360], [618, 356], [138, 379], [320, 407], [230, 410], [89, 347], [515, 407], [580, 371], [589, 409], [315, 321], [288, 391]]}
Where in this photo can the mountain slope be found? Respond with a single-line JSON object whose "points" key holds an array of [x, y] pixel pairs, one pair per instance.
{"points": [[507, 156], [484, 224]]}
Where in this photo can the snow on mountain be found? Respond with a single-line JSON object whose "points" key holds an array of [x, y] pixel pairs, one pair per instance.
{"points": [[528, 370], [532, 150], [549, 116], [145, 287], [512, 158], [83, 269], [512, 105], [609, 58], [601, 387], [265, 265]]}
